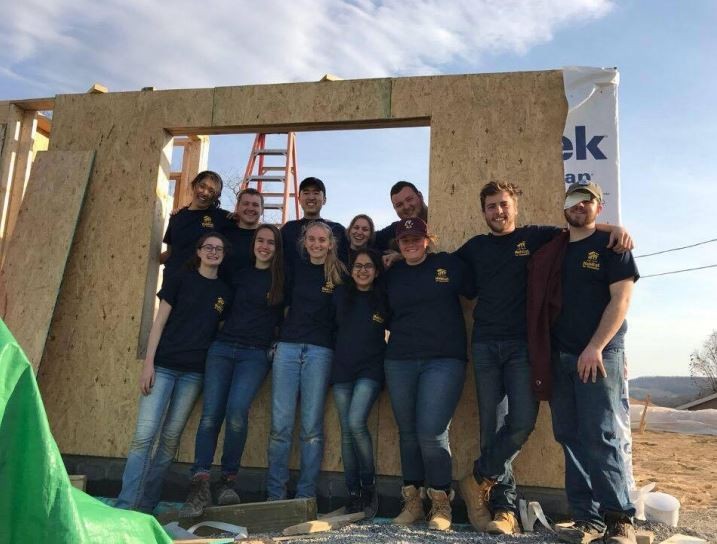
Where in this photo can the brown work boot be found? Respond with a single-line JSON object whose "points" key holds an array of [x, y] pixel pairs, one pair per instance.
{"points": [[504, 522], [412, 505], [619, 530], [440, 517], [476, 496]]}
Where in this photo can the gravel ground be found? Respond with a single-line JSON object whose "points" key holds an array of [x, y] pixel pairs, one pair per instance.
{"points": [[701, 523]]}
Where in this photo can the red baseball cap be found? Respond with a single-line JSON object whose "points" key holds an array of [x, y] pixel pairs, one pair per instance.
{"points": [[411, 227]]}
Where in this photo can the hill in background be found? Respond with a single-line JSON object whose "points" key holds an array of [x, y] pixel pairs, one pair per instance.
{"points": [[669, 391]]}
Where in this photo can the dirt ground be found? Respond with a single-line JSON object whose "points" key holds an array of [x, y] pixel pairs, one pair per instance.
{"points": [[682, 465]]}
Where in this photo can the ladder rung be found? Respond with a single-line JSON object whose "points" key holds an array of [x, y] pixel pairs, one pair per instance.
{"points": [[266, 178], [275, 195], [273, 168], [271, 151], [273, 206]]}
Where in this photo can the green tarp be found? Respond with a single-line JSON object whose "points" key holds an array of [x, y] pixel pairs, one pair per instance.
{"points": [[37, 502]]}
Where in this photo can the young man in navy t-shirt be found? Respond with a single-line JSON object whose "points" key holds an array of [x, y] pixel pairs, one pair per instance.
{"points": [[498, 262], [240, 233], [312, 197], [408, 202], [588, 373]]}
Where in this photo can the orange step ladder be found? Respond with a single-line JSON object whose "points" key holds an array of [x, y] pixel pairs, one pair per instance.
{"points": [[277, 182]]}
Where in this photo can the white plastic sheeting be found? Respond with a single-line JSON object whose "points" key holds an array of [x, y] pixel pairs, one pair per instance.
{"points": [[675, 421], [590, 139]]}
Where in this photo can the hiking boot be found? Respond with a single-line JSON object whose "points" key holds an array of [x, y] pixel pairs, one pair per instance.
{"points": [[619, 530], [504, 522], [355, 504], [369, 501], [225, 492], [439, 518], [199, 497], [476, 496], [412, 505], [580, 532]]}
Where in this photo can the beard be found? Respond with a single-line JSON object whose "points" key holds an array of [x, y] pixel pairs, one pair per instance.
{"points": [[581, 219], [500, 227]]}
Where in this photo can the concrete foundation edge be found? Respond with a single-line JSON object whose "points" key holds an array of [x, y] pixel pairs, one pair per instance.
{"points": [[104, 479]]}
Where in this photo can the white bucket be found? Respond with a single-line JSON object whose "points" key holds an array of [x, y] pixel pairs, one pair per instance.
{"points": [[662, 507]]}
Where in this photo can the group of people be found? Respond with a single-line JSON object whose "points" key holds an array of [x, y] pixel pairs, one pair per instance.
{"points": [[313, 303]]}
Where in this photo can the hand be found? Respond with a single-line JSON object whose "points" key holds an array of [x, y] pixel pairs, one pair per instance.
{"points": [[146, 379], [390, 258], [271, 352], [620, 240], [590, 364], [175, 211]]}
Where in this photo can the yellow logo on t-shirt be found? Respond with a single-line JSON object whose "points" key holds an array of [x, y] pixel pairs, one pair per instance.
{"points": [[442, 275], [328, 287], [377, 318], [592, 262], [521, 250], [207, 222], [219, 305]]}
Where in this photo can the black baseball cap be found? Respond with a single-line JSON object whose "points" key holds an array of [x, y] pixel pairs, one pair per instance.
{"points": [[312, 182]]}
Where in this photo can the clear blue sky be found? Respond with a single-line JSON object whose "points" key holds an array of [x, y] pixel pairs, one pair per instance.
{"points": [[665, 52]]}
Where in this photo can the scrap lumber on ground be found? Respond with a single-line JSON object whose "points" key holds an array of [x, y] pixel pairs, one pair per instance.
{"points": [[323, 524], [257, 517]]}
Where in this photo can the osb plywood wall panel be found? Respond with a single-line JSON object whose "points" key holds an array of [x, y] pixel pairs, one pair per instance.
{"points": [[89, 370], [37, 252], [303, 103], [504, 126]]}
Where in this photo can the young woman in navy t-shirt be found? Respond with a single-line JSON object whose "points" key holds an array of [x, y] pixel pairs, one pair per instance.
{"points": [[302, 362], [361, 234], [425, 367], [202, 216], [237, 364], [357, 374], [192, 302]]}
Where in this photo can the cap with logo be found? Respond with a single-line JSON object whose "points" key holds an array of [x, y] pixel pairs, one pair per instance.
{"points": [[411, 227], [577, 192], [312, 182]]}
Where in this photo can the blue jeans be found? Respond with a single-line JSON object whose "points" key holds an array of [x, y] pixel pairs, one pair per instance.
{"points": [[502, 370], [354, 401], [161, 419], [301, 373], [232, 379], [585, 425], [424, 394]]}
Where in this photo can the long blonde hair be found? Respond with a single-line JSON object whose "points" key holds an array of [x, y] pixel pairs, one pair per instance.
{"points": [[334, 269]]}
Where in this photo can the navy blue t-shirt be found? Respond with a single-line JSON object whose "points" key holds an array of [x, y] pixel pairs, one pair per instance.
{"points": [[311, 316], [426, 313], [291, 233], [588, 270], [185, 228], [241, 253], [499, 267], [361, 323], [198, 304], [385, 238], [251, 321]]}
